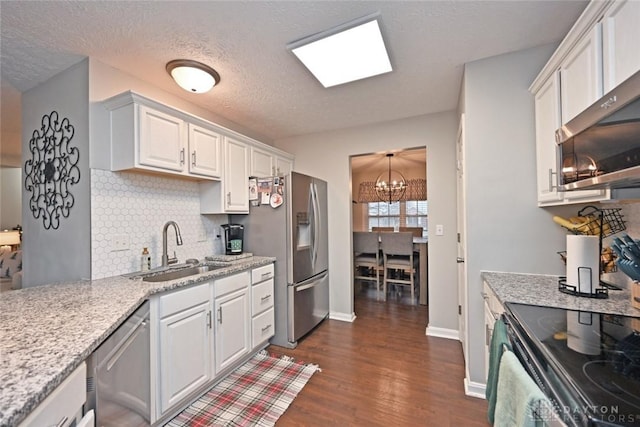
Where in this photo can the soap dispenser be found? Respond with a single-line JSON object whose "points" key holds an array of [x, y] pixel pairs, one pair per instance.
{"points": [[145, 260]]}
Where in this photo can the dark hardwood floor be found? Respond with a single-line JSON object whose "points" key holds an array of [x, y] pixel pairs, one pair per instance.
{"points": [[382, 370]]}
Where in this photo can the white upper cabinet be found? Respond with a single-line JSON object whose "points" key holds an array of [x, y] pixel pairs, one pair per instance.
{"points": [[231, 195], [236, 176], [597, 54], [547, 121], [205, 151], [147, 135], [162, 141], [620, 35], [261, 163], [581, 75], [269, 162], [283, 165]]}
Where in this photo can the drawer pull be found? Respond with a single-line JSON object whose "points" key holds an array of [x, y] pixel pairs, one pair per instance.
{"points": [[62, 422], [266, 275], [266, 328], [265, 298]]}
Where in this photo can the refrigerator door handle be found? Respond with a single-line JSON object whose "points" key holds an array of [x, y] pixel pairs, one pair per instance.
{"points": [[312, 221], [316, 222], [309, 283], [305, 287]]}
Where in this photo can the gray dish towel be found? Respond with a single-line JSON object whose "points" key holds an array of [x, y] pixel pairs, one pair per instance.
{"points": [[519, 402], [499, 341]]}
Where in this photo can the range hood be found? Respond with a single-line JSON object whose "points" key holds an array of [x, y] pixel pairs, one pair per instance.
{"points": [[600, 148]]}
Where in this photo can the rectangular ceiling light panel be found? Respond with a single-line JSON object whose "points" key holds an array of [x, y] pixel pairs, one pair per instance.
{"points": [[350, 55]]}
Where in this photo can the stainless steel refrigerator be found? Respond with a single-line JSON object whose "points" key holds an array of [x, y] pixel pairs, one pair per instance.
{"points": [[294, 232]]}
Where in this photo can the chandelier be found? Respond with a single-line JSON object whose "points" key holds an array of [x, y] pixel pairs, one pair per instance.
{"points": [[390, 185]]}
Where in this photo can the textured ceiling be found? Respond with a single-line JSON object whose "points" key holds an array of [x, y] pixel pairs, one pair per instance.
{"points": [[264, 88]]}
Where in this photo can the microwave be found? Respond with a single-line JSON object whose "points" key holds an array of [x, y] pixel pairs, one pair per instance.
{"points": [[600, 147]]}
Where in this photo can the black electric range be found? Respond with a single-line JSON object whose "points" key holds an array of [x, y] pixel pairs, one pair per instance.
{"points": [[588, 363]]}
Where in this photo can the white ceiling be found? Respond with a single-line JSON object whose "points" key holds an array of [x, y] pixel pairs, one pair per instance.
{"points": [[264, 88]]}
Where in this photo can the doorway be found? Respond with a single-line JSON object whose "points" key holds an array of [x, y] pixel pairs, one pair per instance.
{"points": [[411, 210]]}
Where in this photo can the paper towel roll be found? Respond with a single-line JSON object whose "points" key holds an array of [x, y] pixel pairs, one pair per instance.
{"points": [[583, 253], [583, 332]]}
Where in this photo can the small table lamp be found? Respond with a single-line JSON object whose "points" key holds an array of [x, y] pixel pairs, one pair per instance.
{"points": [[9, 240]]}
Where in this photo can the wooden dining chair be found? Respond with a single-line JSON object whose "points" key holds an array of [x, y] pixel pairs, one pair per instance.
{"points": [[367, 262], [417, 231], [397, 254], [382, 229]]}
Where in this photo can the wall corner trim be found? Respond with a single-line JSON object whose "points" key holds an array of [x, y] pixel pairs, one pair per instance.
{"points": [[475, 389], [450, 334], [343, 317]]}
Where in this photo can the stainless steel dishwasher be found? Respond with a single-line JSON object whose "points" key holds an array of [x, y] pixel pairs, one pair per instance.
{"points": [[118, 374]]}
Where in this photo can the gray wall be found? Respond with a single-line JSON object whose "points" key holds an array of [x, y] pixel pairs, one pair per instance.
{"points": [[327, 156], [63, 254], [506, 231]]}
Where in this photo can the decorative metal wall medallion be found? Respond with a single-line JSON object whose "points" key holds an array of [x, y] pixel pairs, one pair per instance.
{"points": [[52, 170]]}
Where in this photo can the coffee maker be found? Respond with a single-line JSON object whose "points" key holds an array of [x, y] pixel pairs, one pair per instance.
{"points": [[233, 238]]}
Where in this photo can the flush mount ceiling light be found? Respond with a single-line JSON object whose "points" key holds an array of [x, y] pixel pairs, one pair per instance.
{"points": [[346, 53], [193, 76]]}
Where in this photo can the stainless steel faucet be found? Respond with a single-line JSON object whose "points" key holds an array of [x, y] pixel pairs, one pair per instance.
{"points": [[165, 258]]}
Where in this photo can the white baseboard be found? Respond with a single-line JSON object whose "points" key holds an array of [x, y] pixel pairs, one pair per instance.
{"points": [[474, 389], [343, 317], [450, 334]]}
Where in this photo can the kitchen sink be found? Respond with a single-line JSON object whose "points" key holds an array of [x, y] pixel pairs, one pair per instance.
{"points": [[179, 274]]}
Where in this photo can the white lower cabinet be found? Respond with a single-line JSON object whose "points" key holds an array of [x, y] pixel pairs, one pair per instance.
{"points": [[232, 311], [262, 311], [184, 344], [63, 407], [263, 328], [492, 311], [203, 332]]}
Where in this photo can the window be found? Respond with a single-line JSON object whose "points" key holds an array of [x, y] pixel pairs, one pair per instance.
{"points": [[412, 213]]}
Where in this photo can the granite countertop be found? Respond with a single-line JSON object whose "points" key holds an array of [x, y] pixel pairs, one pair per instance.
{"points": [[46, 332], [536, 289]]}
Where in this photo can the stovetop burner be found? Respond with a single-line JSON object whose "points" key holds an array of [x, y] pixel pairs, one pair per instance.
{"points": [[618, 387]]}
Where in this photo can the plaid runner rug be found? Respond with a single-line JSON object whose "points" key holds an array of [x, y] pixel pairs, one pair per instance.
{"points": [[255, 394]]}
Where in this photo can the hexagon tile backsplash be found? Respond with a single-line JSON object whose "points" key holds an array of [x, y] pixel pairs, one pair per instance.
{"points": [[128, 211]]}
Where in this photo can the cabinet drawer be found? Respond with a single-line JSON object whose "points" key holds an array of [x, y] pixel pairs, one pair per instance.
{"points": [[261, 297], [231, 283], [182, 299], [63, 403], [261, 274], [263, 328]]}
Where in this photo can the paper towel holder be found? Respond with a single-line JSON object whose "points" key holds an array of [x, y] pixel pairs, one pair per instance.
{"points": [[602, 223]]}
